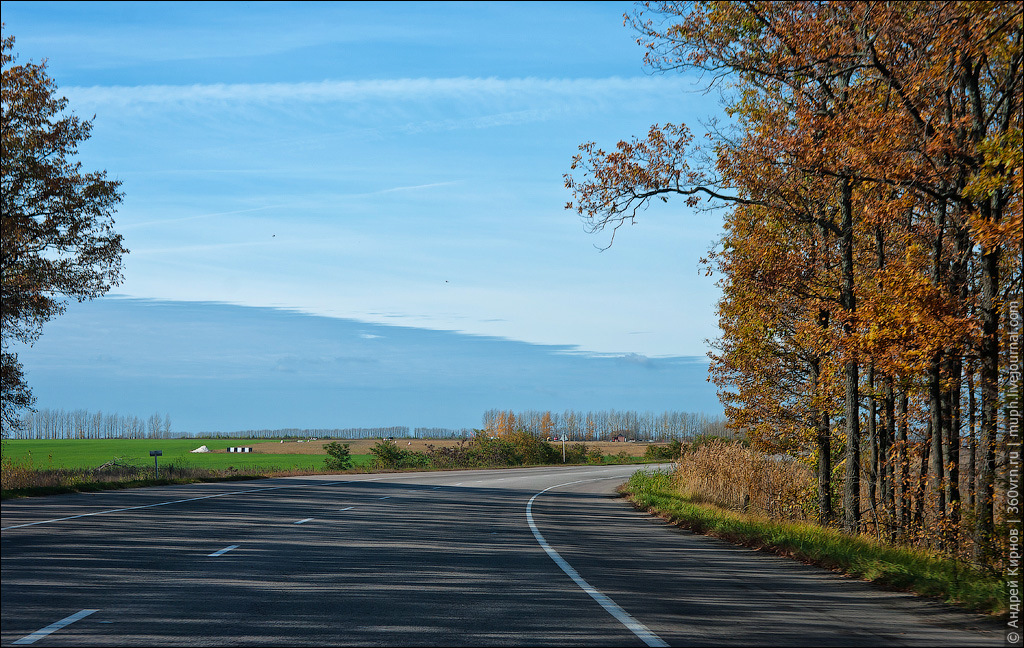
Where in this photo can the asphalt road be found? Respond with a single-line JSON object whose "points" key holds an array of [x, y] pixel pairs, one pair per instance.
{"points": [[539, 556]]}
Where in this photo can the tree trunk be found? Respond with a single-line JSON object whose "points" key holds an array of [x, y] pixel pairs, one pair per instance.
{"points": [[885, 452], [825, 512], [821, 424], [903, 463], [872, 445], [984, 509], [936, 509], [922, 480], [990, 210], [851, 482], [972, 439], [953, 452]]}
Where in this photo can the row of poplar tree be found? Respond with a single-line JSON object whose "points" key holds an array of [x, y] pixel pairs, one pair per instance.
{"points": [[81, 424], [47, 423], [606, 425], [396, 431], [871, 261]]}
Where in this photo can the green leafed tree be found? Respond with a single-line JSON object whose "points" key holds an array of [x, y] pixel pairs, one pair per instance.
{"points": [[58, 238], [339, 457]]}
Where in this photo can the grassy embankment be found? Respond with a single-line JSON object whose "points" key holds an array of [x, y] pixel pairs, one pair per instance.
{"points": [[895, 567]]}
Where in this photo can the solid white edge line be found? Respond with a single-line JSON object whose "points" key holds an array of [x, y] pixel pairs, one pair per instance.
{"points": [[53, 627], [221, 552], [611, 607]]}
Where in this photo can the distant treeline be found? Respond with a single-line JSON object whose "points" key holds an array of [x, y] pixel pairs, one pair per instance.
{"points": [[82, 424], [397, 431], [606, 425], [576, 426]]}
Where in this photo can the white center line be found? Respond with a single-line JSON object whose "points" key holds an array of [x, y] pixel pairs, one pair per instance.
{"points": [[611, 607], [145, 506], [303, 521], [53, 627], [387, 497], [221, 552], [347, 508], [203, 497]]}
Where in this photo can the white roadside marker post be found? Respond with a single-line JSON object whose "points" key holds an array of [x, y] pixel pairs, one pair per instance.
{"points": [[156, 464]]}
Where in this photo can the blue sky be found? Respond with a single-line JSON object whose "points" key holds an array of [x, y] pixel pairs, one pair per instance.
{"points": [[380, 164]]}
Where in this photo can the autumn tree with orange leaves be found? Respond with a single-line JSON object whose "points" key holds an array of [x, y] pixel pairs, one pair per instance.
{"points": [[871, 175]]}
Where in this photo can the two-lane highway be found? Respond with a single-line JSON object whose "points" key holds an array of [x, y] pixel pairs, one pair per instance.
{"points": [[539, 556]]}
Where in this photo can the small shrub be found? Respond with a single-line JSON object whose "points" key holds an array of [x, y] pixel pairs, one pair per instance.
{"points": [[529, 449], [388, 456], [446, 458], [338, 456], [669, 452], [576, 453]]}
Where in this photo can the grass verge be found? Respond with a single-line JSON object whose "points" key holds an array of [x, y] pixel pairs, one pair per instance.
{"points": [[894, 567]]}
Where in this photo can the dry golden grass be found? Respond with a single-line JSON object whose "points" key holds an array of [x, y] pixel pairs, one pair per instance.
{"points": [[736, 477]]}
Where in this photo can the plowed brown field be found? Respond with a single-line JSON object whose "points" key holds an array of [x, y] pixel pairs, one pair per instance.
{"points": [[362, 446]]}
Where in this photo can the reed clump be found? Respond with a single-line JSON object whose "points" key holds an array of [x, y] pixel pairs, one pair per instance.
{"points": [[733, 476], [914, 569]]}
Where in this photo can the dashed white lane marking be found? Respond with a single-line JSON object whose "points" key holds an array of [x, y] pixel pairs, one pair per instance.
{"points": [[611, 607], [221, 552], [385, 497], [180, 501], [347, 508], [304, 521], [228, 494], [203, 497], [53, 627]]}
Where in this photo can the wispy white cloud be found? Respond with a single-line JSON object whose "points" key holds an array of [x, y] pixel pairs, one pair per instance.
{"points": [[192, 32], [510, 118], [163, 221], [205, 247], [369, 90], [277, 206], [412, 188]]}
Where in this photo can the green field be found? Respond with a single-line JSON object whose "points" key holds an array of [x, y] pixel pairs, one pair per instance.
{"points": [[91, 453]]}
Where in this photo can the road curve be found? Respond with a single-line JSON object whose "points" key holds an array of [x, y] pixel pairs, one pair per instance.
{"points": [[525, 557]]}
